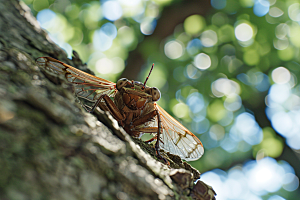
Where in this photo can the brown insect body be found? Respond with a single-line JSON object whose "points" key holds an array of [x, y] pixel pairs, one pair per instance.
{"points": [[133, 106]]}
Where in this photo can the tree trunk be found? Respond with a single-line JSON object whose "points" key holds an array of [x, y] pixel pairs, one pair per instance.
{"points": [[50, 148]]}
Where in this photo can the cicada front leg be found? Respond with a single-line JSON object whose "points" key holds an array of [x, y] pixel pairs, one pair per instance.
{"points": [[110, 106]]}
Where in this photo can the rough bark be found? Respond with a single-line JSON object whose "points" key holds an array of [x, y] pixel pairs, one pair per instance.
{"points": [[50, 148]]}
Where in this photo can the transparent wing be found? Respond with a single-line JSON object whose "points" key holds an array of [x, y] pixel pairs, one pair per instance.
{"points": [[87, 86], [177, 139]]}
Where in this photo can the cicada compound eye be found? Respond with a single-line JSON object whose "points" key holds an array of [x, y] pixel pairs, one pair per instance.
{"points": [[121, 83], [155, 94]]}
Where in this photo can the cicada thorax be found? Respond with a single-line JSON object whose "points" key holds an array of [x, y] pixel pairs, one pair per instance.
{"points": [[133, 101], [135, 97]]}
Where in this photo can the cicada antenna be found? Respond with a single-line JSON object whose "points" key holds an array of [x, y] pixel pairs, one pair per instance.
{"points": [[148, 76]]}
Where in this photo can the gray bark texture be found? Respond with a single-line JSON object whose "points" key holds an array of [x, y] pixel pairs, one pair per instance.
{"points": [[51, 148]]}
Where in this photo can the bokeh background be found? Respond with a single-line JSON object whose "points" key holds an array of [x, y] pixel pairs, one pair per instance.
{"points": [[228, 70]]}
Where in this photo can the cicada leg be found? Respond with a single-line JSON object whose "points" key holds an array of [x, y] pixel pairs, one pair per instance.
{"points": [[110, 106], [145, 118], [151, 140], [158, 137], [157, 130]]}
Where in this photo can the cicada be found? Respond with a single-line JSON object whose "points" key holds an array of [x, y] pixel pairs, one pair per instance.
{"points": [[133, 105]]}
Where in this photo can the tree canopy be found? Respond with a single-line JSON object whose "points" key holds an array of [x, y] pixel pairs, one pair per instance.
{"points": [[227, 70]]}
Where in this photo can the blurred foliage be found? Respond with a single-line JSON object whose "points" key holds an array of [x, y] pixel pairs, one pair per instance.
{"points": [[231, 76]]}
